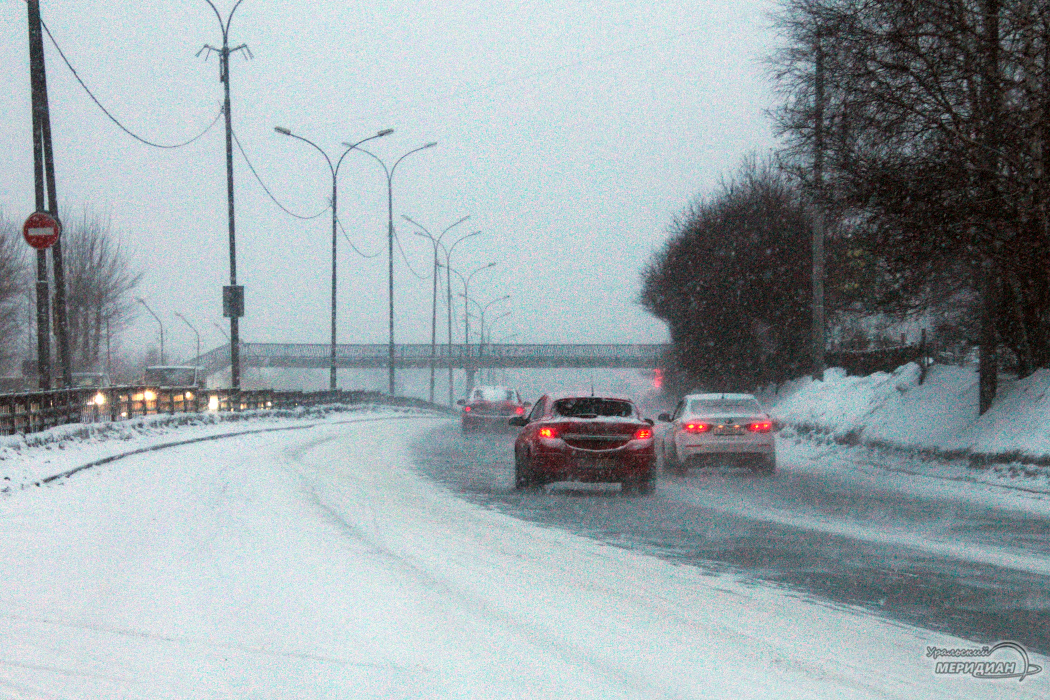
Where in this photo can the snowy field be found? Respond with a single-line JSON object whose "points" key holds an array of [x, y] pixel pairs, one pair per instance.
{"points": [[305, 557]]}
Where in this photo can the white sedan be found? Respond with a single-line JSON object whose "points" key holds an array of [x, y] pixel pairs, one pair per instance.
{"points": [[716, 430]]}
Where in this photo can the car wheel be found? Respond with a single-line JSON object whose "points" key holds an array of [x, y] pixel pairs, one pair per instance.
{"points": [[766, 465], [523, 477], [672, 464]]}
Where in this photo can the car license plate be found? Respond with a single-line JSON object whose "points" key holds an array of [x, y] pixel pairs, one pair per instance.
{"points": [[595, 463], [729, 430]]}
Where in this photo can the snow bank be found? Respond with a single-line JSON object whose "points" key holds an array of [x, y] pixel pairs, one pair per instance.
{"points": [[937, 418], [30, 459]]}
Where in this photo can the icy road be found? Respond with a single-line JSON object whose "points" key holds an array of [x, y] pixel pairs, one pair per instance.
{"points": [[340, 559]]}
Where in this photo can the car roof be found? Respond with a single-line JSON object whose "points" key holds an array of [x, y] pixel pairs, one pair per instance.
{"points": [[716, 397]]}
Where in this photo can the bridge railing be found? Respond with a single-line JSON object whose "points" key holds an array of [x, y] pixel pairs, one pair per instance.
{"points": [[420, 354]]}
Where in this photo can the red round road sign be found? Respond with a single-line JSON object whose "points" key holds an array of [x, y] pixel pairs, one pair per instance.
{"points": [[41, 230]]}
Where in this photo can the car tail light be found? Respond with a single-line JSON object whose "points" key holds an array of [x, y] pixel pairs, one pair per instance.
{"points": [[466, 409], [520, 410], [643, 434], [762, 426], [548, 432], [696, 427]]}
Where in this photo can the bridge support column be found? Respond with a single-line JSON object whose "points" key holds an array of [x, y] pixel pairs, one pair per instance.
{"points": [[472, 373]]}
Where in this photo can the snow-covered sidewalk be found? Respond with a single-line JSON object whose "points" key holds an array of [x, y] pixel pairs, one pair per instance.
{"points": [[317, 563]]}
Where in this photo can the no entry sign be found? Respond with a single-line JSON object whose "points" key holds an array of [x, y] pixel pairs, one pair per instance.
{"points": [[41, 230]]}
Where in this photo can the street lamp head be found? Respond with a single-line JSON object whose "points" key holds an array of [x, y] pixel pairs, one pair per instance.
{"points": [[282, 130], [431, 144], [385, 132]]}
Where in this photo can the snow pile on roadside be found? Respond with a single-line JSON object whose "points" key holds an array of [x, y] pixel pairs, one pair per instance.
{"points": [[26, 460], [937, 418]]}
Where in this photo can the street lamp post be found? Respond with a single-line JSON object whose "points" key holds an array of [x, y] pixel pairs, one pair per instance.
{"points": [[436, 242], [466, 298], [334, 169], [466, 291], [390, 244], [466, 312], [492, 324], [194, 329], [224, 76], [448, 291], [482, 309], [143, 302]]}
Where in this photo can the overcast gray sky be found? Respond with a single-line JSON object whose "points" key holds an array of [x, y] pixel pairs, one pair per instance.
{"points": [[570, 132]]}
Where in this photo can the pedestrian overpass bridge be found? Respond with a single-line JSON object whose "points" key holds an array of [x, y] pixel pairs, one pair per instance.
{"points": [[469, 358]]}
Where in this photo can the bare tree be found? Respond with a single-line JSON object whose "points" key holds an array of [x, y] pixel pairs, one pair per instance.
{"points": [[937, 122], [12, 288], [99, 279]]}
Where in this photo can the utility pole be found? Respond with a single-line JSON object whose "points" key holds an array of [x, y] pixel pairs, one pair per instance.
{"points": [[818, 210], [991, 106], [233, 295], [46, 201]]}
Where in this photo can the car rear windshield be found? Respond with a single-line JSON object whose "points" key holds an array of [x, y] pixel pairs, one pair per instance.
{"points": [[593, 407], [703, 406], [492, 393]]}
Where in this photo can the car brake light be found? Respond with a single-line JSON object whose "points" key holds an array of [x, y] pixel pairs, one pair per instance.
{"points": [[520, 410], [763, 426], [548, 432], [466, 409], [643, 434], [696, 427]]}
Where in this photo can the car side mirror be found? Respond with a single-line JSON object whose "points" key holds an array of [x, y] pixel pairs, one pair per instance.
{"points": [[461, 402], [518, 421], [664, 417], [649, 421], [527, 404]]}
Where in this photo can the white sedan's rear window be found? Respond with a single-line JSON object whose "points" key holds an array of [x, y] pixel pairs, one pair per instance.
{"points": [[492, 393], [705, 406]]}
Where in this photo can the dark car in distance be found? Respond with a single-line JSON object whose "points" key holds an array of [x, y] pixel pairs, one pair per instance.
{"points": [[488, 408], [584, 439]]}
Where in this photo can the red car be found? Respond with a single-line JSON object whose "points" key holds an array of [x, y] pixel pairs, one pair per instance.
{"points": [[584, 438], [489, 407]]}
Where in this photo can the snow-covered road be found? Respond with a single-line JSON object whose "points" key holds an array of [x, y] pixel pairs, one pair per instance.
{"points": [[318, 563]]}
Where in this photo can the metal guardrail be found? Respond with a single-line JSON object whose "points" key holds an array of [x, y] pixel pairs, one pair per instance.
{"points": [[471, 357], [35, 411]]}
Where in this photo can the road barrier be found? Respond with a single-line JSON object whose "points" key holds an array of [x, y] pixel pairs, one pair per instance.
{"points": [[33, 411]]}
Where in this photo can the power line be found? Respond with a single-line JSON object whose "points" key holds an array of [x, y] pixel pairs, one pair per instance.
{"points": [[356, 250], [267, 189], [405, 257], [114, 119]]}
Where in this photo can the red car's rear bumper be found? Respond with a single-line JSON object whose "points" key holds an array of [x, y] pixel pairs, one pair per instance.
{"points": [[569, 464]]}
